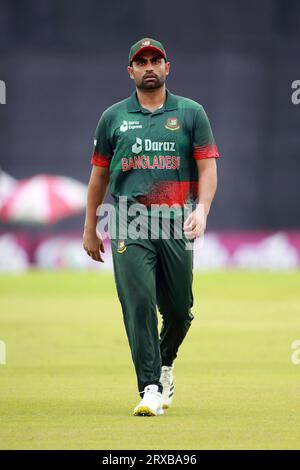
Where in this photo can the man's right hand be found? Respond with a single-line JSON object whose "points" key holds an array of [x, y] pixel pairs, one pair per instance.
{"points": [[93, 245]]}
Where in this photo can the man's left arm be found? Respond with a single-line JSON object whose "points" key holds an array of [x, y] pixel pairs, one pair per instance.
{"points": [[195, 224]]}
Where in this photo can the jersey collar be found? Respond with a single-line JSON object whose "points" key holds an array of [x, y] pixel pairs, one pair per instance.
{"points": [[134, 106]]}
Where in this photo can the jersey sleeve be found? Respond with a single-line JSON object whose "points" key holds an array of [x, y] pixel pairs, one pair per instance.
{"points": [[102, 152], [204, 145]]}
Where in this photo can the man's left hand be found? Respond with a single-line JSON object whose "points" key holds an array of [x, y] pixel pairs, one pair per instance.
{"points": [[195, 224]]}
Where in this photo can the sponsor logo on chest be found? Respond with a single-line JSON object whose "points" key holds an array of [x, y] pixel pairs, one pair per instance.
{"points": [[149, 145], [128, 125]]}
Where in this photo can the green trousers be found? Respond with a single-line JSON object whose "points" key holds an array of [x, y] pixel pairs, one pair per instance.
{"points": [[150, 273]]}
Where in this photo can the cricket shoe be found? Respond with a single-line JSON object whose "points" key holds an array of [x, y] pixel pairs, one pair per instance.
{"points": [[151, 404], [167, 381]]}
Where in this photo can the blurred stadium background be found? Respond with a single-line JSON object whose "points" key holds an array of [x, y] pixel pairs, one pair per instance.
{"points": [[63, 63]]}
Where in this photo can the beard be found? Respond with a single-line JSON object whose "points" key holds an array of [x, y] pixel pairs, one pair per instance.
{"points": [[153, 84]]}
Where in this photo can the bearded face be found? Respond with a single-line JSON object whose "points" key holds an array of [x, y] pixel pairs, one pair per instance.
{"points": [[149, 71]]}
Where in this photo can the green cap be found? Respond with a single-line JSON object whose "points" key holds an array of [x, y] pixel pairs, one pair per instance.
{"points": [[146, 44]]}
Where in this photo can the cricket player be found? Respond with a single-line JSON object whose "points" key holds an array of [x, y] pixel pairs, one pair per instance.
{"points": [[153, 149]]}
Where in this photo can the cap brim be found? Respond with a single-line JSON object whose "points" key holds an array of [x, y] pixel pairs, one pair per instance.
{"points": [[148, 48]]}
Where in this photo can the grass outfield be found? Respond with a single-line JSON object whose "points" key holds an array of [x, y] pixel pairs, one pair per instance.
{"points": [[69, 382]]}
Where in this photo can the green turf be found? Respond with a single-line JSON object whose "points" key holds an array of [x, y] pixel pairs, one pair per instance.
{"points": [[69, 382]]}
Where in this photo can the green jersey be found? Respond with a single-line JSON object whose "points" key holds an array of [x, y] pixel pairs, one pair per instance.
{"points": [[151, 155]]}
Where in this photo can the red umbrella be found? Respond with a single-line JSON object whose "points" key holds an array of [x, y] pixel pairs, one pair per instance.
{"points": [[7, 186], [44, 199]]}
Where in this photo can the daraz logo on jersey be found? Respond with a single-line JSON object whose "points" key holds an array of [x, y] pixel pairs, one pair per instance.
{"points": [[159, 162], [138, 146], [149, 146], [130, 125]]}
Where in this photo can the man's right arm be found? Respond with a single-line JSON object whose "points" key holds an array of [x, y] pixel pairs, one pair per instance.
{"points": [[97, 188]]}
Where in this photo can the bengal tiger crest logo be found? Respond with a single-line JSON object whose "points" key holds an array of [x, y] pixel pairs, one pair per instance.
{"points": [[121, 246], [172, 124]]}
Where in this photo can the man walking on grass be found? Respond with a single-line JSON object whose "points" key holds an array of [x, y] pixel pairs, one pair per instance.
{"points": [[157, 150]]}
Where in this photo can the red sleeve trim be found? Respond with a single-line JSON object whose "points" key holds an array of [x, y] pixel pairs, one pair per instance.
{"points": [[100, 160], [205, 151]]}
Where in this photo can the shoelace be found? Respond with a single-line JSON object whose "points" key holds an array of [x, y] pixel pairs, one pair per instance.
{"points": [[153, 392]]}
